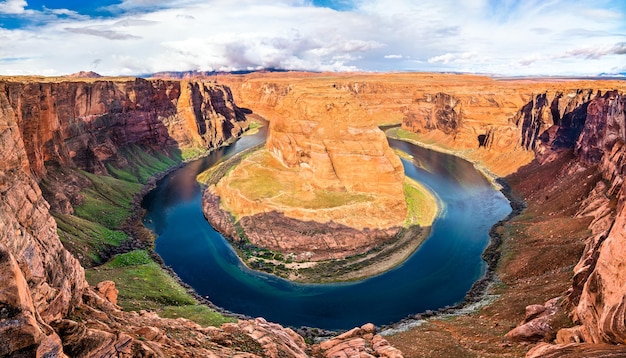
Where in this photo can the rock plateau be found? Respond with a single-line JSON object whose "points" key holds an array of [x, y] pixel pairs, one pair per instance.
{"points": [[560, 144], [327, 185]]}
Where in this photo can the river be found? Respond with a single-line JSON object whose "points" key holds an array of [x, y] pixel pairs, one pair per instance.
{"points": [[439, 273]]}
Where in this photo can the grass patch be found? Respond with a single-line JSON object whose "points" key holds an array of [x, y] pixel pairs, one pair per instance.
{"points": [[263, 184], [324, 199], [422, 205], [86, 238], [108, 201], [200, 314], [191, 153], [133, 258], [253, 128], [144, 164], [144, 285]]}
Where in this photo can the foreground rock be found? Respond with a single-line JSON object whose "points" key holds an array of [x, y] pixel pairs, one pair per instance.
{"points": [[358, 342]]}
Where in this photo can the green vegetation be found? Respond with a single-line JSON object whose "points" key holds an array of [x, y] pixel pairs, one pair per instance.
{"points": [[421, 204], [321, 199], [86, 238], [265, 183], [268, 182], [192, 153], [108, 201], [143, 164], [200, 314], [144, 285], [253, 128]]}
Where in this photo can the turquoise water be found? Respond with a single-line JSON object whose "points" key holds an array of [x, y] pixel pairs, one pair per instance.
{"points": [[438, 274]]}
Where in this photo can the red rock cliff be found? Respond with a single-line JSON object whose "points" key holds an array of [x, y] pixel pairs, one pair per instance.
{"points": [[41, 281], [83, 124]]}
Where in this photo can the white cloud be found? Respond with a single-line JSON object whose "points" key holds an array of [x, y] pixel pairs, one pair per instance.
{"points": [[529, 37], [450, 58], [13, 6]]}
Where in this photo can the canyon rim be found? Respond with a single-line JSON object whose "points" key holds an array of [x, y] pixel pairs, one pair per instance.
{"points": [[557, 144]]}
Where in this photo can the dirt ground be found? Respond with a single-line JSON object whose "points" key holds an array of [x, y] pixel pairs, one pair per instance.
{"points": [[540, 248]]}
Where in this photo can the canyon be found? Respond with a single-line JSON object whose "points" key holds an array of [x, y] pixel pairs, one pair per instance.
{"points": [[559, 144], [326, 186]]}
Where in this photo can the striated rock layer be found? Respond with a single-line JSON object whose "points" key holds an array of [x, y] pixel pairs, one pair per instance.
{"points": [[47, 308], [479, 117], [331, 185], [83, 124], [597, 126], [41, 281]]}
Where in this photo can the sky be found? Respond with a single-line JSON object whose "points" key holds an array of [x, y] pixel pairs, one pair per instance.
{"points": [[139, 37]]}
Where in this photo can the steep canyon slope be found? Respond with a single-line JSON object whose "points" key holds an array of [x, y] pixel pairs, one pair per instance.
{"points": [[571, 131], [46, 306]]}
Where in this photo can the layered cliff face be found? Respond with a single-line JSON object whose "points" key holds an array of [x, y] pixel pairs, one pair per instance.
{"points": [[596, 123], [493, 122], [84, 124], [327, 174], [41, 281], [599, 292], [333, 143]]}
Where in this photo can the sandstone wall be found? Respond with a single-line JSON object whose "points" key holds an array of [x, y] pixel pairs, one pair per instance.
{"points": [[594, 125], [599, 292], [41, 281], [334, 143], [493, 122], [82, 124]]}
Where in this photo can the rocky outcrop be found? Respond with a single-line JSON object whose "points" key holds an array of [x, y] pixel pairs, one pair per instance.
{"points": [[301, 240], [598, 293], [327, 138], [327, 186], [538, 323], [606, 117], [552, 121], [41, 282], [358, 342], [441, 112], [83, 124]]}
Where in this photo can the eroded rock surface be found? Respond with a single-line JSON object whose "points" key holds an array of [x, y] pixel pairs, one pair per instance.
{"points": [[46, 306], [84, 124], [327, 186]]}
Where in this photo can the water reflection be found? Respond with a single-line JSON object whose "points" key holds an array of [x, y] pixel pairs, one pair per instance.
{"points": [[439, 273]]}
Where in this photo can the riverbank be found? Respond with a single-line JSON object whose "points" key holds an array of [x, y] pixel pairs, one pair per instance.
{"points": [[478, 296], [523, 269], [144, 281], [423, 208], [413, 138]]}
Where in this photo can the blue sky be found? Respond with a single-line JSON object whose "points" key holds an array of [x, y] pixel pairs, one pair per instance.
{"points": [[132, 37]]}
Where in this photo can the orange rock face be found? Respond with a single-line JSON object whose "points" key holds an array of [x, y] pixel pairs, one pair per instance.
{"points": [[84, 123], [479, 117], [327, 170], [332, 141]]}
